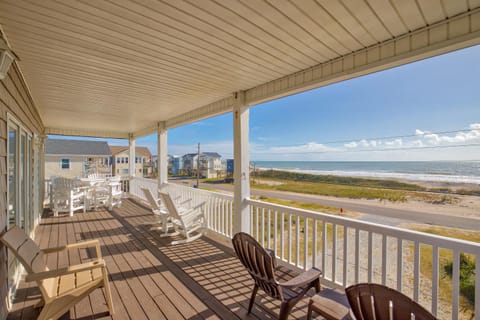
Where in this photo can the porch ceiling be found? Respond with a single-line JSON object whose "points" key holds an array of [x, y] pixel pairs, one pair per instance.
{"points": [[121, 66]]}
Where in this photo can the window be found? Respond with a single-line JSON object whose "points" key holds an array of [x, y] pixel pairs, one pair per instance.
{"points": [[124, 171], [126, 159], [65, 164], [118, 160]]}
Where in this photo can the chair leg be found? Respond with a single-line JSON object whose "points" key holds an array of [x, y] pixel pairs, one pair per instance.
{"points": [[252, 298], [309, 311], [285, 308], [108, 293]]}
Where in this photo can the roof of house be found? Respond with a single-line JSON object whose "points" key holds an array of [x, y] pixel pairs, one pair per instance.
{"points": [[212, 154], [77, 147], [139, 151]]}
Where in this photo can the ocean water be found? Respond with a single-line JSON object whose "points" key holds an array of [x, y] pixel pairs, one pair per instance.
{"points": [[437, 171]]}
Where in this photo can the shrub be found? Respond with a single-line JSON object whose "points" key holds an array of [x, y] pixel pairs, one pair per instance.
{"points": [[467, 277]]}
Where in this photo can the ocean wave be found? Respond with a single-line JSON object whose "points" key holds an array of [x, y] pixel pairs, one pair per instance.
{"points": [[431, 177]]}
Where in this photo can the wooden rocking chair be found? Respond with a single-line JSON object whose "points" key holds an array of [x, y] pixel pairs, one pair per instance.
{"points": [[375, 301], [261, 265], [185, 220], [62, 288]]}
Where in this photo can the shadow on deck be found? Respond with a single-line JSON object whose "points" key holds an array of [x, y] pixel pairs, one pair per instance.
{"points": [[149, 278]]}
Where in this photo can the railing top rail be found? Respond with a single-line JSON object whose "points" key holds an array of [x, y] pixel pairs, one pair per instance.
{"points": [[206, 192], [409, 235]]}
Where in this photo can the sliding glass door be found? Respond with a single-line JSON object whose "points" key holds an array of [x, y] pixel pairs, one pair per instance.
{"points": [[20, 200]]}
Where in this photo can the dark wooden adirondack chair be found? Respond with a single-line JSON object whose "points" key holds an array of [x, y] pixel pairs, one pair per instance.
{"points": [[375, 301], [261, 265]]}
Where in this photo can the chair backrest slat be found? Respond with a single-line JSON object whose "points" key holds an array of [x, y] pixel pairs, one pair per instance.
{"points": [[29, 255], [258, 262], [151, 200], [373, 301], [171, 208]]}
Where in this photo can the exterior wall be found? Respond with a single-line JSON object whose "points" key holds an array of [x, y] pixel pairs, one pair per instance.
{"points": [[121, 169], [15, 101], [53, 167], [77, 166]]}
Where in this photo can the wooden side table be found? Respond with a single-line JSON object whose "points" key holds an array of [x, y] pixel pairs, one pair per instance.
{"points": [[327, 308]]}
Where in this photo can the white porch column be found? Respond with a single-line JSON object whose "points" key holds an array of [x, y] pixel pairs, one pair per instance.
{"points": [[162, 154], [131, 156], [241, 172]]}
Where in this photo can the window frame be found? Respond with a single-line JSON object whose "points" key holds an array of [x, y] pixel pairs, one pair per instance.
{"points": [[69, 164]]}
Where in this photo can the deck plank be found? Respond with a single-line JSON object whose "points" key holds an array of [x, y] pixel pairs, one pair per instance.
{"points": [[149, 278]]}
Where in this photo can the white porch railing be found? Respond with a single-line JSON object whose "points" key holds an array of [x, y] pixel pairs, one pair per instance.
{"points": [[350, 251], [346, 250], [218, 206]]}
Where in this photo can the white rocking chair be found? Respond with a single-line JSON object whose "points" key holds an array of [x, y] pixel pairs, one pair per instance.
{"points": [[185, 220], [159, 211]]}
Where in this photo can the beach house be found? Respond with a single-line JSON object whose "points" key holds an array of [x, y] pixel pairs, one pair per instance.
{"points": [[127, 69], [120, 161], [76, 158]]}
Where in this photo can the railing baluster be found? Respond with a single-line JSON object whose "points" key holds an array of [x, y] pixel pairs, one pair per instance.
{"points": [[345, 256], [305, 242], [399, 263], [263, 228], [384, 259], [370, 257], [275, 231], [289, 238], [357, 255], [324, 247], [314, 243], [416, 270], [334, 253], [456, 284], [269, 230], [297, 240], [477, 283], [282, 236], [435, 280], [256, 222]]}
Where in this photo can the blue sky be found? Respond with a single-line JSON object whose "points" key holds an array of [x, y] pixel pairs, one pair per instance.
{"points": [[420, 106]]}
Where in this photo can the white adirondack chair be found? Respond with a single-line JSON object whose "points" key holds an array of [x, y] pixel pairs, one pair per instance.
{"points": [[158, 210], [116, 193], [62, 288], [185, 220], [67, 196]]}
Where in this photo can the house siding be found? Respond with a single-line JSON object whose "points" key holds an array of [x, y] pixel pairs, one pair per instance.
{"points": [[16, 101], [53, 168]]}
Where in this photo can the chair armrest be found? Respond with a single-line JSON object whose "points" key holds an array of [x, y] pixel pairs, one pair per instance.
{"points": [[64, 271], [302, 279], [83, 244]]}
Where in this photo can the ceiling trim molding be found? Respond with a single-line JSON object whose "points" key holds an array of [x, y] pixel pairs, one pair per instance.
{"points": [[213, 109], [87, 133]]}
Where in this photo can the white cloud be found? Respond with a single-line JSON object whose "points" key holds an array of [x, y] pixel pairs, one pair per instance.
{"points": [[475, 126], [420, 132]]}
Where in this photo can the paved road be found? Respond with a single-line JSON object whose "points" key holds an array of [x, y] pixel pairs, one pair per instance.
{"points": [[377, 214]]}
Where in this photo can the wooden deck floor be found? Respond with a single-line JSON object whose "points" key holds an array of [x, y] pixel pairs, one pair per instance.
{"points": [[150, 279]]}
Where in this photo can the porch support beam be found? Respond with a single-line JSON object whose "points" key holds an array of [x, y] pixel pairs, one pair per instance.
{"points": [[162, 154], [241, 172], [131, 156]]}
